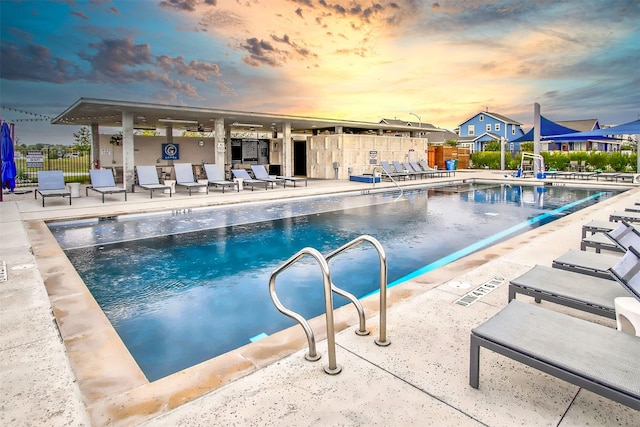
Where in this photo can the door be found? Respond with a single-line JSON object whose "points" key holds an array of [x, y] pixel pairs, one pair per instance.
{"points": [[300, 158]]}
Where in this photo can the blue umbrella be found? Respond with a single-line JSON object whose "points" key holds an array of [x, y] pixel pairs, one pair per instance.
{"points": [[9, 171]]}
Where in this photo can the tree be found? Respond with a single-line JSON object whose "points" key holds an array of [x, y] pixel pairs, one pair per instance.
{"points": [[451, 142], [83, 140], [492, 146]]}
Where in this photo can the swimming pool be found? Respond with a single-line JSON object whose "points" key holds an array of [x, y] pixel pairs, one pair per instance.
{"points": [[182, 287]]}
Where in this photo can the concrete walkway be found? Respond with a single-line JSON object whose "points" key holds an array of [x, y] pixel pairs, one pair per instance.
{"points": [[51, 374]]}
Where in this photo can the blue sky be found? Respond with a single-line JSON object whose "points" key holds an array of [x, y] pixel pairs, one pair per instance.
{"points": [[359, 60]]}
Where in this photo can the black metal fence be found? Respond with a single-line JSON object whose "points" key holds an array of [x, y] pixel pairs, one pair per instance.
{"points": [[74, 164]]}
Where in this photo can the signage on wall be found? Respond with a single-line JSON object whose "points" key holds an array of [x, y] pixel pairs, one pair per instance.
{"points": [[170, 152], [373, 157]]}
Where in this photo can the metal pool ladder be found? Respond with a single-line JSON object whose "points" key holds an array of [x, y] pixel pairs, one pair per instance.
{"points": [[333, 368]]}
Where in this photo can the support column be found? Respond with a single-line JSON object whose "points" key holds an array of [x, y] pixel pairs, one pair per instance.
{"points": [[219, 141], [536, 138], [127, 150], [287, 152], [95, 146]]}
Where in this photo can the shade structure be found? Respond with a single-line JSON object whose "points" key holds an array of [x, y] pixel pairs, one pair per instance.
{"points": [[547, 127], [9, 171], [631, 128]]}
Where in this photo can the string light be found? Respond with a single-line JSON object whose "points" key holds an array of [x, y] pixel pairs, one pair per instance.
{"points": [[42, 117]]}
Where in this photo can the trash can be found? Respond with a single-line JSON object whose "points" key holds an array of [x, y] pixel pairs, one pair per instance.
{"points": [[74, 189], [449, 164], [455, 164], [240, 182]]}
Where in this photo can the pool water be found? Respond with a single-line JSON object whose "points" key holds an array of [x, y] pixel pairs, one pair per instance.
{"points": [[183, 287]]}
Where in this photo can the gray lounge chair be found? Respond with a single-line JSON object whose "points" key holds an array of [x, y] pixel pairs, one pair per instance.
{"points": [[102, 182], [400, 169], [439, 172], [625, 216], [148, 180], [184, 177], [261, 174], [608, 176], [426, 174], [618, 240], [589, 355], [51, 183], [391, 173], [576, 290], [596, 226], [247, 180], [593, 264], [215, 176]]}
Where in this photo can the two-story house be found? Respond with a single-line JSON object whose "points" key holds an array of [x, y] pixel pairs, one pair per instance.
{"points": [[486, 127]]}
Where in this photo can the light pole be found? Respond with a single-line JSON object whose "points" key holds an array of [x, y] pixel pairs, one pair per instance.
{"points": [[419, 133]]}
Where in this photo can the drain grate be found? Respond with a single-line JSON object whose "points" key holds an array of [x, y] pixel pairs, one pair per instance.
{"points": [[482, 290], [3, 271]]}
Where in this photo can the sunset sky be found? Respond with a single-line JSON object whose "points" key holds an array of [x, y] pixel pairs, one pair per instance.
{"points": [[356, 59]]}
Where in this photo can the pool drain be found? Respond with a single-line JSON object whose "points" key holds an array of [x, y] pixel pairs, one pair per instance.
{"points": [[482, 290]]}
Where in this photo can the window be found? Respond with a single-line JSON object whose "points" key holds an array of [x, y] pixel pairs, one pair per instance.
{"points": [[481, 118], [511, 146], [497, 127], [513, 130], [488, 127], [471, 130]]}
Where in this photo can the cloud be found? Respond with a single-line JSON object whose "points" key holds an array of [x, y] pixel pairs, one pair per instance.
{"points": [[186, 5], [262, 53], [33, 62], [80, 15]]}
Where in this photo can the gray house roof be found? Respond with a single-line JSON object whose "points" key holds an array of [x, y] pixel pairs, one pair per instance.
{"points": [[584, 125], [396, 122]]}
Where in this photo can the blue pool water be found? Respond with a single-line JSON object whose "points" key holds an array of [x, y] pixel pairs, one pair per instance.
{"points": [[183, 287]]}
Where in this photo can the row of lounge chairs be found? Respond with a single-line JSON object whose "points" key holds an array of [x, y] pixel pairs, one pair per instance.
{"points": [[587, 354], [51, 183], [606, 176], [413, 170]]}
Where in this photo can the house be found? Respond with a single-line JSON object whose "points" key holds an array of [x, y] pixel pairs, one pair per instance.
{"points": [[439, 137], [486, 127]]}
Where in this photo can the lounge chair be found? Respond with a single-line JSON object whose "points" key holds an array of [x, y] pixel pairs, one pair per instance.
{"points": [[148, 180], [215, 176], [595, 357], [624, 176], [427, 174], [440, 172], [261, 174], [596, 226], [247, 180], [391, 173], [400, 169], [51, 183], [184, 177], [618, 240], [102, 182], [417, 172], [576, 290], [625, 216], [593, 264], [608, 176]]}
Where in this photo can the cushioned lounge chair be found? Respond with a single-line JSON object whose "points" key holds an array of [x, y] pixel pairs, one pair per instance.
{"points": [[391, 173], [625, 216], [576, 290], [51, 183], [261, 174], [148, 180], [608, 176], [596, 226], [618, 240], [589, 355], [247, 180], [419, 173], [102, 182], [593, 264], [426, 174], [184, 177], [215, 176]]}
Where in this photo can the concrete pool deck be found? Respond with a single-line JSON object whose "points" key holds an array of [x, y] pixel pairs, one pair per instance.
{"points": [[420, 379]]}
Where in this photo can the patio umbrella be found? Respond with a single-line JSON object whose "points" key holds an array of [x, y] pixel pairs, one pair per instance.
{"points": [[9, 171]]}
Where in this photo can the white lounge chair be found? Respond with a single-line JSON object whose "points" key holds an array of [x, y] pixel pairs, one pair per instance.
{"points": [[51, 183], [148, 179], [215, 176], [261, 174], [102, 182], [184, 177]]}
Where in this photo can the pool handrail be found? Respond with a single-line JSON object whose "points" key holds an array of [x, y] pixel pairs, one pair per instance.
{"points": [[382, 339], [333, 368], [384, 171]]}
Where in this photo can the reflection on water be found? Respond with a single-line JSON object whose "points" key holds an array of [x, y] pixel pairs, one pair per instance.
{"points": [[182, 288]]}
